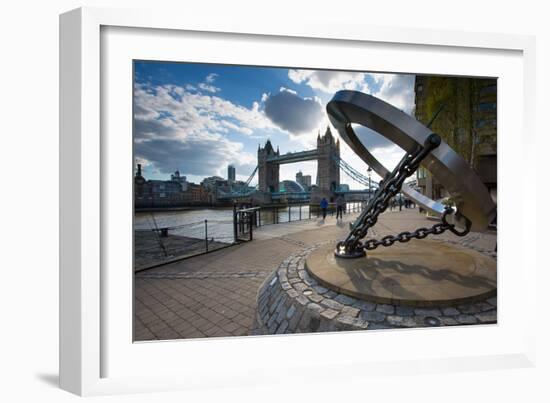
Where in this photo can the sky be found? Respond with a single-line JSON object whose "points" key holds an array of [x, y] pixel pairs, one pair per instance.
{"points": [[199, 118]]}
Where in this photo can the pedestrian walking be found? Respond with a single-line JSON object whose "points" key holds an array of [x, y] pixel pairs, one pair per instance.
{"points": [[340, 203], [324, 206]]}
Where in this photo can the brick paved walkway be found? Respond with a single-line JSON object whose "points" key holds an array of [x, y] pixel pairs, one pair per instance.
{"points": [[215, 294]]}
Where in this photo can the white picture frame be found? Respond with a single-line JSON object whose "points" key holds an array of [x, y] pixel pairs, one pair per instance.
{"points": [[89, 353]]}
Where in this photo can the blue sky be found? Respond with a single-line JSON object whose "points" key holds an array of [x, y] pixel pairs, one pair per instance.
{"points": [[198, 118]]}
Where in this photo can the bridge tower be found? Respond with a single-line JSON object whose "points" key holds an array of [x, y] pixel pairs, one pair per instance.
{"points": [[328, 170], [268, 172]]}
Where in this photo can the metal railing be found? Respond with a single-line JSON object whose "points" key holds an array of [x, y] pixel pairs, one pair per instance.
{"points": [[161, 244], [244, 221], [277, 214]]}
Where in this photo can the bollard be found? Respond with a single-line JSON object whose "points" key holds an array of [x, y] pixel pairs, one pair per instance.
{"points": [[289, 213], [300, 213], [234, 223], [206, 233], [241, 222], [250, 217]]}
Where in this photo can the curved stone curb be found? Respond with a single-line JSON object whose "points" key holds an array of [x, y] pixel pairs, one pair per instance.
{"points": [[291, 301]]}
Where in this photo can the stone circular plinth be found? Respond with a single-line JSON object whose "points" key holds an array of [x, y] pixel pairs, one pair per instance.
{"points": [[291, 301], [423, 273]]}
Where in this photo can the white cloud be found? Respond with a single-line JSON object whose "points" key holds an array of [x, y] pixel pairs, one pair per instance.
{"points": [[396, 89], [175, 126], [177, 113], [293, 113], [175, 129], [288, 90], [329, 81], [210, 78], [208, 84], [237, 128], [208, 87]]}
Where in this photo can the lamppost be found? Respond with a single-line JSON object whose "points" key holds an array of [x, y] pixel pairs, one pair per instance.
{"points": [[369, 171]]}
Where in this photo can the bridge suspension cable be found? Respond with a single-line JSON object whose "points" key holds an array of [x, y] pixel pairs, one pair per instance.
{"points": [[353, 173], [250, 177], [359, 177]]}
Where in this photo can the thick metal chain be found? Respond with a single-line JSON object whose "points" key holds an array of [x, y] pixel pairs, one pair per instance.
{"points": [[388, 188], [420, 233]]}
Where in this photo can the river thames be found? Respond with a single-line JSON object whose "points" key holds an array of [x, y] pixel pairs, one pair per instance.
{"points": [[190, 223]]}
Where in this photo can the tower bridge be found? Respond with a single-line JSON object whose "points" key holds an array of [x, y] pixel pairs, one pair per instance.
{"points": [[329, 164], [290, 158], [328, 169]]}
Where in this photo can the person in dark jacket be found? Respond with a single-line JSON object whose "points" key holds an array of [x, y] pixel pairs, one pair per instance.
{"points": [[340, 203], [324, 206]]}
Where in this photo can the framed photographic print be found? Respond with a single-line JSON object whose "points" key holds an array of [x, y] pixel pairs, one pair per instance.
{"points": [[234, 197]]}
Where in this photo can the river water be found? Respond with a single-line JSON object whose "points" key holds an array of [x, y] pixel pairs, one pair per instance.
{"points": [[220, 221], [191, 223]]}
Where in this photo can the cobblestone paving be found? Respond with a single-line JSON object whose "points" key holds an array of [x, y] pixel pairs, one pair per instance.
{"points": [[291, 301], [207, 296], [216, 294]]}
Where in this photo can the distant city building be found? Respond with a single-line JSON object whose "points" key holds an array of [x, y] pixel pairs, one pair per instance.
{"points": [[216, 186], [139, 183], [156, 192], [159, 193], [213, 182], [182, 180], [304, 180], [196, 194], [467, 122], [288, 186], [231, 173], [164, 189]]}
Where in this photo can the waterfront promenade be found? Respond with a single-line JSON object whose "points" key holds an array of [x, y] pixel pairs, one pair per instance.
{"points": [[214, 295]]}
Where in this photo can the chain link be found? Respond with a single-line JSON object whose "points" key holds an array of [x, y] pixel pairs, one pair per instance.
{"points": [[406, 236]]}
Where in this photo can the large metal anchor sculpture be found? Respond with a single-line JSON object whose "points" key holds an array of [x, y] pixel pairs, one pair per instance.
{"points": [[474, 209]]}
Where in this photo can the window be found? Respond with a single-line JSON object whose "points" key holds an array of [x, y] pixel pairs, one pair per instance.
{"points": [[486, 122], [488, 90], [461, 136], [487, 106], [421, 173]]}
